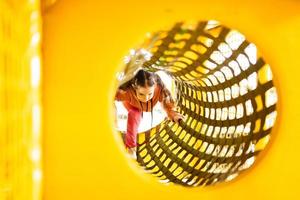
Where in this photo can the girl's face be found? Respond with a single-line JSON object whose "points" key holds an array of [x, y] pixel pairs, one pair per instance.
{"points": [[144, 94]]}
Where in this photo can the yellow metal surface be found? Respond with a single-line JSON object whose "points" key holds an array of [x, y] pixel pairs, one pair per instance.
{"points": [[84, 44], [20, 100]]}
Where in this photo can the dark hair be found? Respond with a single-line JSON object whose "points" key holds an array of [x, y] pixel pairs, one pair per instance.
{"points": [[145, 78]]}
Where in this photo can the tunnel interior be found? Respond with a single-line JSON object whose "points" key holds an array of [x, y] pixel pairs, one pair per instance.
{"points": [[224, 88]]}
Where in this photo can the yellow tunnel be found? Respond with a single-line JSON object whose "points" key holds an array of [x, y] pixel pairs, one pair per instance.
{"points": [[58, 65]]}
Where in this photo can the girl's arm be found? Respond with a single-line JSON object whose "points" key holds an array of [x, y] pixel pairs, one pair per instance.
{"points": [[169, 106]]}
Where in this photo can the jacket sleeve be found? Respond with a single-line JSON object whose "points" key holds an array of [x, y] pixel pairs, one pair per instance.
{"points": [[168, 103], [170, 110], [122, 95]]}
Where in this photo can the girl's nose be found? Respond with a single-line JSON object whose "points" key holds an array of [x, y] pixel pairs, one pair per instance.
{"points": [[148, 98]]}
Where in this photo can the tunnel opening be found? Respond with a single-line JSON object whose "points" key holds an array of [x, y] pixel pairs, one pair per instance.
{"points": [[224, 88]]}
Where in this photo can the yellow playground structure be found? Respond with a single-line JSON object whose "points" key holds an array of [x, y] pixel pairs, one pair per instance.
{"points": [[233, 66]]}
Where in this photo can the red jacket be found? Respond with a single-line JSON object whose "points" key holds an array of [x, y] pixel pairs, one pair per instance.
{"points": [[129, 98]]}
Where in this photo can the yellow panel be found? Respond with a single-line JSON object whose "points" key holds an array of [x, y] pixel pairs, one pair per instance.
{"points": [[84, 43], [20, 100]]}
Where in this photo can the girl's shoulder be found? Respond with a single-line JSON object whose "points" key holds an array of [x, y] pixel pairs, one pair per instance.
{"points": [[158, 90], [124, 94], [162, 93]]}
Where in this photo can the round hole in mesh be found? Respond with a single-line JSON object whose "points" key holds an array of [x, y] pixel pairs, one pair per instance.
{"points": [[224, 88]]}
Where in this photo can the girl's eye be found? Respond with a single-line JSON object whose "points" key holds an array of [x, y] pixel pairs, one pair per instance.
{"points": [[144, 94]]}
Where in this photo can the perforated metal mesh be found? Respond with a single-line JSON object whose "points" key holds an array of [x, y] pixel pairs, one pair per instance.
{"points": [[226, 91]]}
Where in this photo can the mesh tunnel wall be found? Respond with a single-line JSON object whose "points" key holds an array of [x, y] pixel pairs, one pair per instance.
{"points": [[226, 91]]}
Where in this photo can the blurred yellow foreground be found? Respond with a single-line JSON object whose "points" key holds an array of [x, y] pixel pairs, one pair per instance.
{"points": [[57, 78]]}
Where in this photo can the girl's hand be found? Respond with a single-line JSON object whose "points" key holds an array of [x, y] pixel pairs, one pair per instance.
{"points": [[177, 117]]}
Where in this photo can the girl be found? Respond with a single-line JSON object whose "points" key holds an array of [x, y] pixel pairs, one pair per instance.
{"points": [[140, 94]]}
